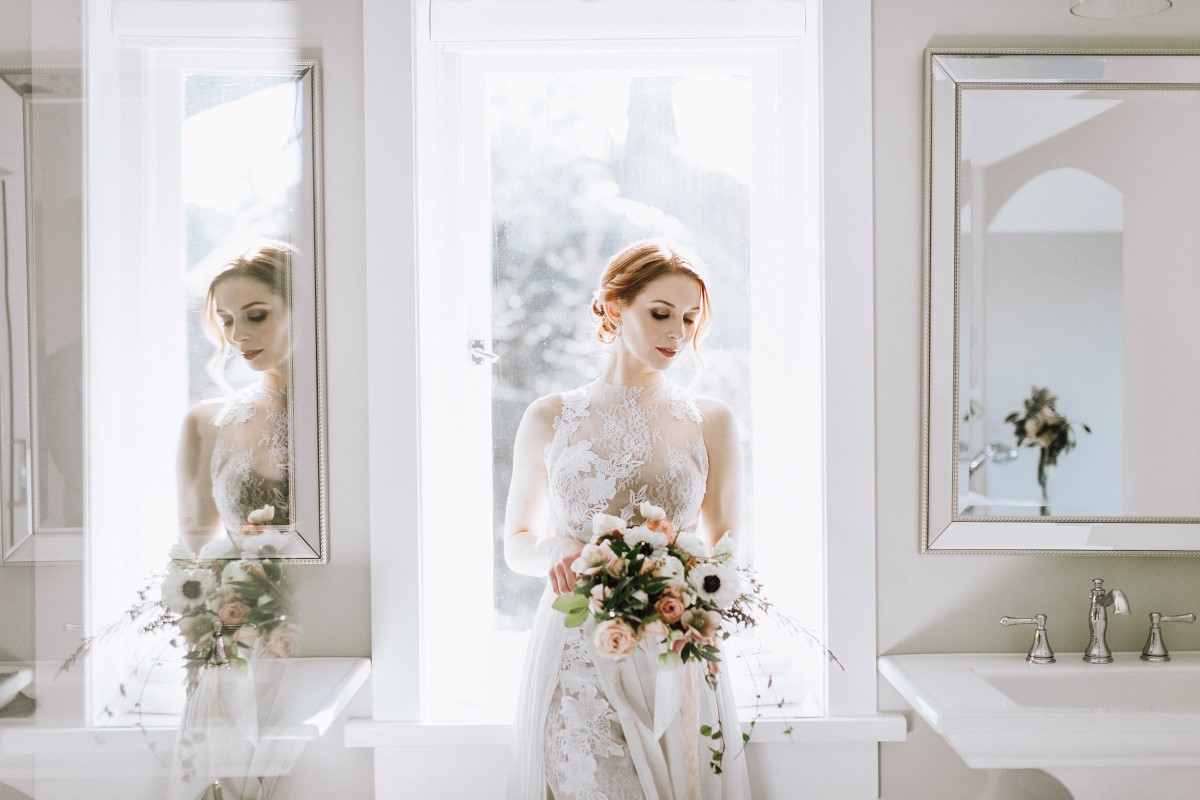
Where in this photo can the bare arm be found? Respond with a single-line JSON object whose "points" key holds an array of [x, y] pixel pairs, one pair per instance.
{"points": [[199, 520], [526, 507], [722, 507]]}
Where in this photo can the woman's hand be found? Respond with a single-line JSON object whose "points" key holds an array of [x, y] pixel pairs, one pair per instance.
{"points": [[563, 552]]}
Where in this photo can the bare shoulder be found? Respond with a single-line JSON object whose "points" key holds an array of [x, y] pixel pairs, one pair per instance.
{"points": [[540, 415], [716, 414], [200, 416]]}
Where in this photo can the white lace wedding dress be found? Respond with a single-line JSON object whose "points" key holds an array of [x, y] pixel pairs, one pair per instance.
{"points": [[250, 462], [590, 728]]}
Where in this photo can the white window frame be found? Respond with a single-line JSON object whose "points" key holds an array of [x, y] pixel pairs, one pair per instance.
{"points": [[455, 229], [838, 44]]}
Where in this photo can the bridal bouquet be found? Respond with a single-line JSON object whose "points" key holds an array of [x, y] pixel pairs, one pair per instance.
{"points": [[229, 600], [646, 584], [649, 586]]}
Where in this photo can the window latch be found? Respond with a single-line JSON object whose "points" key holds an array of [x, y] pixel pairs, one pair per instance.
{"points": [[479, 355]]}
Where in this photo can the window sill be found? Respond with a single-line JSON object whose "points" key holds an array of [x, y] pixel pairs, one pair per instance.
{"points": [[883, 727]]}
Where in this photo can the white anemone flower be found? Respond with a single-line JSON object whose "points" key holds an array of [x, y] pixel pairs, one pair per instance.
{"points": [[606, 523], [672, 569], [719, 584], [186, 589], [691, 544], [724, 549], [640, 533], [218, 548]]}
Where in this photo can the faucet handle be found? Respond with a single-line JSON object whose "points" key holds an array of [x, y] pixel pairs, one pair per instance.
{"points": [[1155, 649], [1039, 651]]}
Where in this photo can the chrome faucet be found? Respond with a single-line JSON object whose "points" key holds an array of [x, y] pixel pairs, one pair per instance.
{"points": [[1097, 650]]}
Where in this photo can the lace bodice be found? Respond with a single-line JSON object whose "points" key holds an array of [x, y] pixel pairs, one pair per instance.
{"points": [[250, 460], [615, 447]]}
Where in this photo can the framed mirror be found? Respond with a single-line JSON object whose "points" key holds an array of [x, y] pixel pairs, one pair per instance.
{"points": [[41, 317], [1061, 341], [252, 456]]}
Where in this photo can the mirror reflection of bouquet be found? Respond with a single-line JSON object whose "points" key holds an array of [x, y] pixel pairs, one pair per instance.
{"points": [[652, 587], [1041, 425], [229, 601]]}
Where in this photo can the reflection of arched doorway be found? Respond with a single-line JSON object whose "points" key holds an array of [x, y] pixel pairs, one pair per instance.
{"points": [[1064, 199], [1050, 289]]}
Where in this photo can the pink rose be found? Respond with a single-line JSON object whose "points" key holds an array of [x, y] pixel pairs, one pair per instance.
{"points": [[664, 526], [614, 638], [232, 611], [283, 642], [670, 607]]}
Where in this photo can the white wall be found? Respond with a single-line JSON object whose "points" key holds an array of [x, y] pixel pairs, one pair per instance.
{"points": [[945, 603], [334, 598]]}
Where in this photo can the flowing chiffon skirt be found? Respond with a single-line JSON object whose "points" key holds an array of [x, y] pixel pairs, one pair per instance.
{"points": [[658, 712]]}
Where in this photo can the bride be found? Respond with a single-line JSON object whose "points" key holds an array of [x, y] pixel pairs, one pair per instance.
{"points": [[587, 728], [233, 452]]}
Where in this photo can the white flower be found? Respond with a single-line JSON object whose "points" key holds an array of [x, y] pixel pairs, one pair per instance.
{"points": [[724, 549], [641, 597], [651, 512], [672, 569], [218, 548], [254, 545], [690, 543], [181, 552], [606, 523], [186, 589], [261, 516], [593, 559], [717, 583], [639, 534], [234, 571]]}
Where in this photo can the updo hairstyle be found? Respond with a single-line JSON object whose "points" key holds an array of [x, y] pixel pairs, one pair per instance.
{"points": [[269, 263], [634, 268]]}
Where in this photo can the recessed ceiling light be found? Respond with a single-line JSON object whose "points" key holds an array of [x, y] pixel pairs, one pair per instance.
{"points": [[1116, 9]]}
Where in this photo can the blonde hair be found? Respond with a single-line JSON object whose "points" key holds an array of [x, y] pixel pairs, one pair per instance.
{"points": [[635, 267], [269, 263]]}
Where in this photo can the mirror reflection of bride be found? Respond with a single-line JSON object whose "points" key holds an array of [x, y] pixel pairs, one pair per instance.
{"points": [[234, 451]]}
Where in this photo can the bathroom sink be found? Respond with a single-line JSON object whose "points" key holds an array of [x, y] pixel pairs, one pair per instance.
{"points": [[1126, 729], [14, 677]]}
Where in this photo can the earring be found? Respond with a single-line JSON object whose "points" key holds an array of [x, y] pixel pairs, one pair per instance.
{"points": [[618, 332]]}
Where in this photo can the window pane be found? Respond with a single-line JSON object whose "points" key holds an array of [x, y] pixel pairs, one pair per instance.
{"points": [[581, 166]]}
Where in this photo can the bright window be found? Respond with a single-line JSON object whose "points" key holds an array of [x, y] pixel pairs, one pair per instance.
{"points": [[537, 167]]}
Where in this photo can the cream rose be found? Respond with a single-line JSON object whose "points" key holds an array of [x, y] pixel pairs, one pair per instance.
{"points": [[261, 516], [614, 638], [651, 512], [283, 642], [603, 524]]}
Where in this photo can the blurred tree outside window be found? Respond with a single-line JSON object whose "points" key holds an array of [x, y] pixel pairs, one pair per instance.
{"points": [[582, 165]]}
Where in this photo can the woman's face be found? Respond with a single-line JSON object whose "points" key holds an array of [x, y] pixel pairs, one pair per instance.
{"points": [[660, 321], [254, 321]]}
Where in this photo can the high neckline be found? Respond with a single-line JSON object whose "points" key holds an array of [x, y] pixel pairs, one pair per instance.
{"points": [[659, 384]]}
